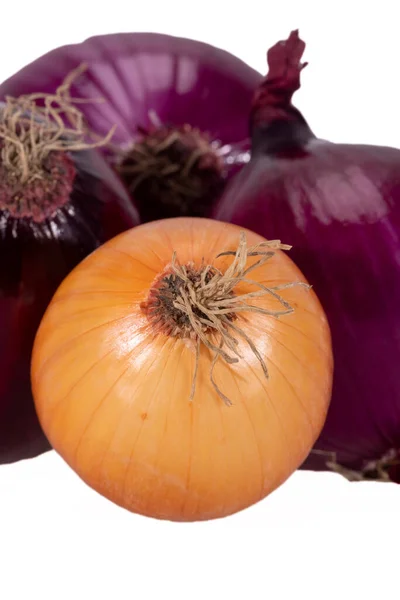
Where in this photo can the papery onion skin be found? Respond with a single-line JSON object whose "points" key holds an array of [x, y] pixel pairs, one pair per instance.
{"points": [[182, 81], [339, 205], [121, 415], [35, 258]]}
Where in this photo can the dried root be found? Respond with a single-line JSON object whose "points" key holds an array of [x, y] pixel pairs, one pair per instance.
{"points": [[34, 125], [373, 470], [187, 302], [177, 169]]}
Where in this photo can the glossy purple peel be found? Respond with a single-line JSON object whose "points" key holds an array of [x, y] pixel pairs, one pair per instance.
{"points": [[338, 205]]}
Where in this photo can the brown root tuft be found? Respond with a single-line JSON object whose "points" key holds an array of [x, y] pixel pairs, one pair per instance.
{"points": [[34, 125], [188, 302], [372, 470], [173, 171]]}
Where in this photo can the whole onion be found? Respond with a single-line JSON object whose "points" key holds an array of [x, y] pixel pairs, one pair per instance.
{"points": [[180, 106], [59, 200], [339, 207]]}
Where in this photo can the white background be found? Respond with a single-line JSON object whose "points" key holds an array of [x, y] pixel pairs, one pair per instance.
{"points": [[318, 536]]}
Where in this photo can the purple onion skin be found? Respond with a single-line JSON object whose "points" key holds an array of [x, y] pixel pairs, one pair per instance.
{"points": [[182, 80], [338, 205], [35, 258]]}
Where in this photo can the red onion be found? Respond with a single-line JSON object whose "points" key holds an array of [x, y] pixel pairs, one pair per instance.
{"points": [[339, 206], [180, 107], [58, 202]]}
